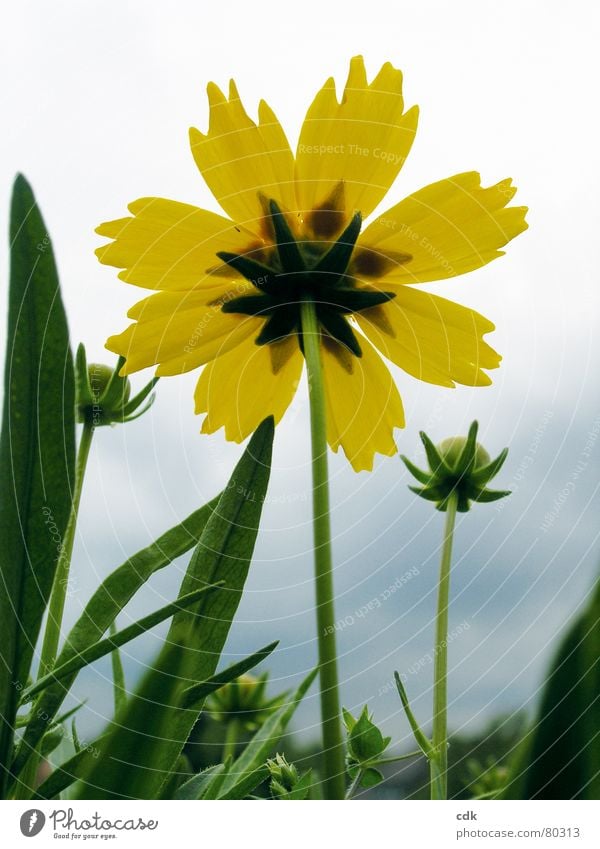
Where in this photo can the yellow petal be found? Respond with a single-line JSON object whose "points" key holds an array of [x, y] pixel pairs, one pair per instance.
{"points": [[445, 229], [241, 388], [241, 160], [431, 338], [363, 403], [179, 334], [361, 142], [171, 245]]}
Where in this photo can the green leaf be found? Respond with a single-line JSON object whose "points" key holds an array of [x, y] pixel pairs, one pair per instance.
{"points": [[195, 787], [145, 741], [371, 777], [118, 674], [245, 785], [193, 695], [37, 451], [68, 772], [263, 742], [559, 757], [108, 600], [302, 788], [104, 647], [51, 740]]}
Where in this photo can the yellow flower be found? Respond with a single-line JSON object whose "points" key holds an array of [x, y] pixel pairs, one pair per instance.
{"points": [[227, 290]]}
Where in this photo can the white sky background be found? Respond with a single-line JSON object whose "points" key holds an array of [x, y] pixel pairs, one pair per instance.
{"points": [[97, 101]]}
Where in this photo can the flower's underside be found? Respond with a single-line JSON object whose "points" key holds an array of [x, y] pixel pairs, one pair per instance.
{"points": [[227, 291]]}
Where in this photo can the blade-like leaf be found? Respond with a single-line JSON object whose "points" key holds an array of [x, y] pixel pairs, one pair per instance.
{"points": [[199, 692], [103, 647], [247, 783], [559, 757], [262, 744], [118, 675], [68, 772], [144, 743], [110, 598], [195, 787], [37, 451]]}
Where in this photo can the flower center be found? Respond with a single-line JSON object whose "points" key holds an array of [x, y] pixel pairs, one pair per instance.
{"points": [[300, 271]]}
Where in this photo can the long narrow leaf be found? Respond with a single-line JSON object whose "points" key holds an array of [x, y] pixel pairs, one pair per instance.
{"points": [[37, 451], [193, 695], [69, 771], [118, 674], [104, 647]]}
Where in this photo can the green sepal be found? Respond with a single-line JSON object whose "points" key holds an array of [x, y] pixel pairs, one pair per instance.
{"points": [[249, 305], [339, 254], [256, 272], [351, 300], [423, 477], [436, 464], [337, 327], [289, 253], [486, 473], [279, 325]]}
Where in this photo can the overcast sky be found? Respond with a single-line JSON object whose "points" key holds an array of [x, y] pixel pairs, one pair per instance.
{"points": [[97, 101]]}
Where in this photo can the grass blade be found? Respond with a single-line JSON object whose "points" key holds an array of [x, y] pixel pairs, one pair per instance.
{"points": [[37, 451]]}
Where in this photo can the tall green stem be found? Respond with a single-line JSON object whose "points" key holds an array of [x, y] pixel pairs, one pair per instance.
{"points": [[334, 783], [232, 736], [27, 780], [439, 761], [61, 578]]}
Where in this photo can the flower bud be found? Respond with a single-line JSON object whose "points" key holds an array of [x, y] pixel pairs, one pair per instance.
{"points": [[103, 396], [286, 782], [244, 699], [460, 468]]}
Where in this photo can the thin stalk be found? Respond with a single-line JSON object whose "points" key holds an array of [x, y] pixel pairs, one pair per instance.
{"points": [[26, 782], [439, 759], [61, 578], [232, 735], [333, 752], [355, 784]]}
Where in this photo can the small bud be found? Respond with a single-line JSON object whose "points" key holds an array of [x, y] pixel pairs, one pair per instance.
{"points": [[103, 396], [458, 466], [244, 699], [286, 782], [366, 743]]}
